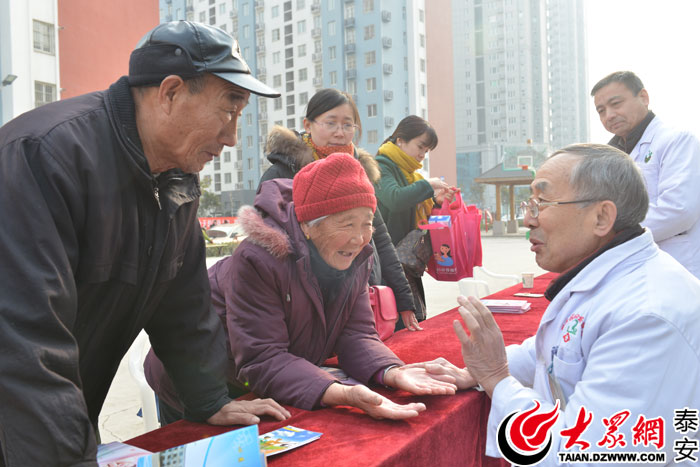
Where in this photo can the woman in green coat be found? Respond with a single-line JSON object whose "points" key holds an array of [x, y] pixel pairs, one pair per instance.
{"points": [[404, 197]]}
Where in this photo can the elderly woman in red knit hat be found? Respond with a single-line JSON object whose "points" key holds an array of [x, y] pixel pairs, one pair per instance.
{"points": [[295, 292]]}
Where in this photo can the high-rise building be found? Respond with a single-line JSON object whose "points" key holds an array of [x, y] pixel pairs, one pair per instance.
{"points": [[369, 48], [519, 83], [53, 50]]}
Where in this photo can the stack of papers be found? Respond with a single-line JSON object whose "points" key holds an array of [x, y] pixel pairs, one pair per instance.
{"points": [[507, 306]]}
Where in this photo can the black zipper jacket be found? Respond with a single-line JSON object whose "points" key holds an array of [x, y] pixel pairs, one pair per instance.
{"points": [[93, 248]]}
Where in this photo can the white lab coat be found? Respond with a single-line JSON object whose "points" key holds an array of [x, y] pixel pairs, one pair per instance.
{"points": [[670, 162], [634, 313]]}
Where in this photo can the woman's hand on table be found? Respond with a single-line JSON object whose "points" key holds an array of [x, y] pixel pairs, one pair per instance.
{"points": [[375, 405], [418, 381], [443, 370], [246, 412], [409, 321], [483, 351]]}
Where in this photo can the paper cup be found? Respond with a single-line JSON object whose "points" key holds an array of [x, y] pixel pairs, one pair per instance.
{"points": [[528, 280]]}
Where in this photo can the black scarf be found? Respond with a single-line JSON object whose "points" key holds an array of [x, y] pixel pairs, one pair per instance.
{"points": [[628, 144], [329, 279], [621, 237]]}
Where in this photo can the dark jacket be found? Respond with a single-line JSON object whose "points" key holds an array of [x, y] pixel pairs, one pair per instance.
{"points": [[279, 329], [94, 249], [288, 154], [397, 200]]}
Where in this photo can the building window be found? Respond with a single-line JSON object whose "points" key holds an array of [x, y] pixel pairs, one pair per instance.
{"points": [[303, 98], [370, 58], [422, 39], [372, 137], [372, 110], [227, 178], [371, 84], [352, 86], [301, 4], [275, 11], [275, 57], [202, 16], [275, 34], [44, 37], [301, 26], [333, 78], [249, 119], [276, 81], [227, 156], [222, 8], [249, 143], [369, 31], [349, 10], [303, 74], [246, 9], [331, 28], [246, 31], [331, 53], [331, 5], [421, 15], [301, 50], [422, 64], [367, 6], [350, 62], [422, 90], [278, 105], [44, 93]]}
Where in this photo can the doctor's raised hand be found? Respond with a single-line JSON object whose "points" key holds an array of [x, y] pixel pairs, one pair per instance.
{"points": [[483, 350]]}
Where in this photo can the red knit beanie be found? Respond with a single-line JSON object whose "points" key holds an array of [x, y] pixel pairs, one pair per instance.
{"points": [[334, 184]]}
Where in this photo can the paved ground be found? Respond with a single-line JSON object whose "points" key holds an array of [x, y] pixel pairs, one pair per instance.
{"points": [[505, 255]]}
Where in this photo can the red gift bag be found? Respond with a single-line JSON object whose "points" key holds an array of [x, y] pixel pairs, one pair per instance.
{"points": [[456, 241]]}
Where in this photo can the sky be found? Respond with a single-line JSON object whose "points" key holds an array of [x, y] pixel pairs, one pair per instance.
{"points": [[659, 40]]}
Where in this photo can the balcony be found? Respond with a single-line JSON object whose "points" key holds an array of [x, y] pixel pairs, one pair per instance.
{"points": [[388, 95], [231, 14], [259, 4], [260, 49], [238, 186], [350, 48], [386, 16], [316, 8], [261, 71], [259, 26], [351, 74], [318, 82], [388, 68], [389, 122], [349, 22], [189, 9], [317, 57], [316, 32], [386, 42], [238, 165], [262, 117]]}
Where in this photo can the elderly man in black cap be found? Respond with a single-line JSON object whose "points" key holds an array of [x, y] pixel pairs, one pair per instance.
{"points": [[100, 240]]}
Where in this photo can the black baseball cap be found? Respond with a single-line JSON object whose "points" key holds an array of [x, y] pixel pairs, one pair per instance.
{"points": [[188, 49]]}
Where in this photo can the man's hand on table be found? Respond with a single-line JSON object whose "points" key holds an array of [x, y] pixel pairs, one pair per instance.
{"points": [[484, 352], [419, 381], [245, 412], [409, 320], [375, 405], [443, 370]]}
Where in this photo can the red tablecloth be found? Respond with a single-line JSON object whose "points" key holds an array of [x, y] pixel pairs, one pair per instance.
{"points": [[452, 431]]}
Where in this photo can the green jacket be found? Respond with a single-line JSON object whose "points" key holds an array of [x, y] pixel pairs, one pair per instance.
{"points": [[397, 200]]}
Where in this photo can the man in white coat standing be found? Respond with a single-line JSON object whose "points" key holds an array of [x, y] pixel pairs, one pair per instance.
{"points": [[615, 363], [668, 158]]}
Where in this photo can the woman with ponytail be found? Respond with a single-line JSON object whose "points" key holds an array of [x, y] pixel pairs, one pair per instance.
{"points": [[406, 199]]}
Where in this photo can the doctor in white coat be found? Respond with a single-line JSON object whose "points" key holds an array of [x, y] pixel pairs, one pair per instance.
{"points": [[618, 345], [668, 158]]}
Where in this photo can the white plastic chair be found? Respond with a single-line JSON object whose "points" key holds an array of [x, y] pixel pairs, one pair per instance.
{"points": [[480, 288], [137, 354], [473, 287]]}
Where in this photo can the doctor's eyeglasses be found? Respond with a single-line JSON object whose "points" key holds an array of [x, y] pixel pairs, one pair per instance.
{"points": [[533, 206]]}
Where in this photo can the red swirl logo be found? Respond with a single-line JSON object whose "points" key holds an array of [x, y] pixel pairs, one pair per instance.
{"points": [[526, 439]]}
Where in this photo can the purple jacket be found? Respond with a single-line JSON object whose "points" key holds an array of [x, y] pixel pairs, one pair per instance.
{"points": [[278, 329]]}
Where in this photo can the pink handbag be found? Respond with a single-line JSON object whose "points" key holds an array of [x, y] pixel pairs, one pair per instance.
{"points": [[383, 303]]}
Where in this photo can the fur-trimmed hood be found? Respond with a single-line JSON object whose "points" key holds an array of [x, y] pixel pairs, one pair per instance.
{"points": [[286, 147], [278, 229]]}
